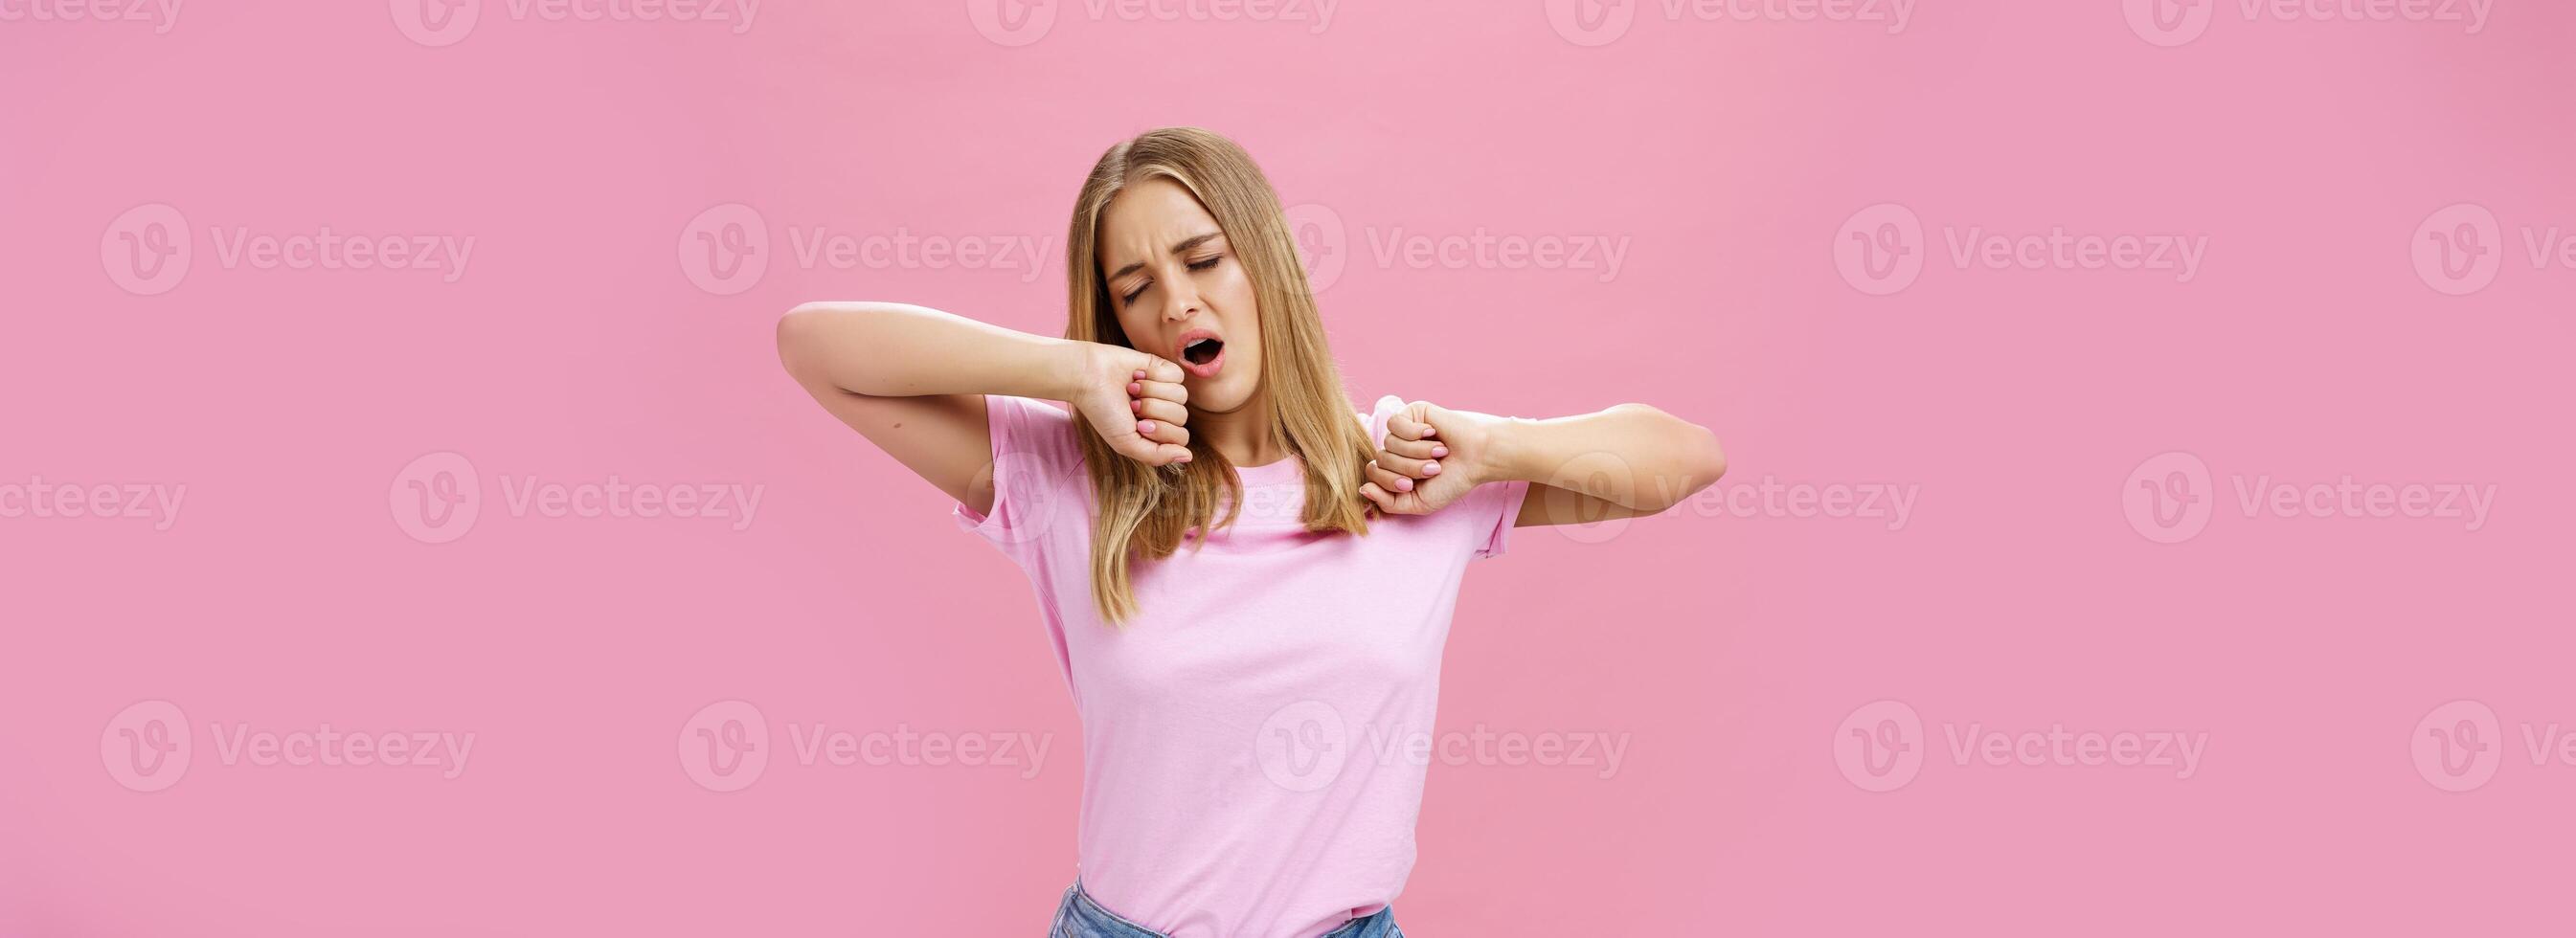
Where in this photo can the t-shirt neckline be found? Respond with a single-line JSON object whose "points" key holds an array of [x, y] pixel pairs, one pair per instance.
{"points": [[1283, 469]]}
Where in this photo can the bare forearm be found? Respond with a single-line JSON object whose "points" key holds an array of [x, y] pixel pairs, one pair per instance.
{"points": [[901, 350], [1630, 455]]}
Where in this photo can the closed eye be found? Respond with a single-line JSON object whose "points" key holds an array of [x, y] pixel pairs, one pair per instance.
{"points": [[1139, 290]]}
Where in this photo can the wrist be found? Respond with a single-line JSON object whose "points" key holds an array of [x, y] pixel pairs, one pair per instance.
{"points": [[1078, 367], [1503, 450]]}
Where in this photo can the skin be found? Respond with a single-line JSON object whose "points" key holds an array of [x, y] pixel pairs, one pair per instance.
{"points": [[912, 380]]}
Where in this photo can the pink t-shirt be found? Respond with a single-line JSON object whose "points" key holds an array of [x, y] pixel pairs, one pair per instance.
{"points": [[1255, 737]]}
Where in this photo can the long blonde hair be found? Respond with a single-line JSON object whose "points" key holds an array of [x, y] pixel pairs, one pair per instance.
{"points": [[1144, 511]]}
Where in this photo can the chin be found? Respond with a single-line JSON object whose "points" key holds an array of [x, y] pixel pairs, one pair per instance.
{"points": [[1225, 395]]}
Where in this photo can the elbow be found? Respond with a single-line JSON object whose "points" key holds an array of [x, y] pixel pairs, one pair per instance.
{"points": [[1702, 462], [804, 339], [1708, 459], [794, 331], [1697, 461]]}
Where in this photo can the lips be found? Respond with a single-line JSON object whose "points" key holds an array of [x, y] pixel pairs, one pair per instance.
{"points": [[1200, 352]]}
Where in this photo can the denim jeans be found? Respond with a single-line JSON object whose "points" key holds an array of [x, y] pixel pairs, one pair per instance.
{"points": [[1079, 917]]}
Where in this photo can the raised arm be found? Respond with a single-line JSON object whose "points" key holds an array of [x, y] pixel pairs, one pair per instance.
{"points": [[912, 380], [1626, 461]]}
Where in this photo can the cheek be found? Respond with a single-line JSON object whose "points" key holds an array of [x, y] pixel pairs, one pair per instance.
{"points": [[1242, 313], [1128, 326], [1236, 283]]}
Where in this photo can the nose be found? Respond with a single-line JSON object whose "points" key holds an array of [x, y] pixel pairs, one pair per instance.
{"points": [[1181, 301]]}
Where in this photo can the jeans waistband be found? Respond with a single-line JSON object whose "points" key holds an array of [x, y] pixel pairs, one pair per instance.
{"points": [[1081, 917]]}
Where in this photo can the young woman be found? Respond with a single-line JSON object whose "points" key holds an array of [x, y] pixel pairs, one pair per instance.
{"points": [[1247, 582]]}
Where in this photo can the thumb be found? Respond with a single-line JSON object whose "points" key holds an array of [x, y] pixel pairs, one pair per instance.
{"points": [[1409, 423]]}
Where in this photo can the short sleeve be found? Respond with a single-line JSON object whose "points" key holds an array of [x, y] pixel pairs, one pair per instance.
{"points": [[1496, 506], [1037, 474], [1487, 513]]}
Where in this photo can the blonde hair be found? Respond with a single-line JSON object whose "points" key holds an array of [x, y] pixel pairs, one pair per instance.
{"points": [[1144, 511]]}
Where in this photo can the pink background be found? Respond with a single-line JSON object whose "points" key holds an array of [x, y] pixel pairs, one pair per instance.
{"points": [[2021, 406]]}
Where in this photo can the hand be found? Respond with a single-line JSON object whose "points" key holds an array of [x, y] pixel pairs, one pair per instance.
{"points": [[1134, 401], [1430, 458]]}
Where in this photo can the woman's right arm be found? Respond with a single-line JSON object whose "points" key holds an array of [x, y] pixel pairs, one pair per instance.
{"points": [[912, 380]]}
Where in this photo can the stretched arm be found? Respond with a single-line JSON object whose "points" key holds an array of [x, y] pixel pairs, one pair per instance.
{"points": [[913, 379], [1629, 460], [1626, 461]]}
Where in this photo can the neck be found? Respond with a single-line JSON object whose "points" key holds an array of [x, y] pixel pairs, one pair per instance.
{"points": [[1242, 435]]}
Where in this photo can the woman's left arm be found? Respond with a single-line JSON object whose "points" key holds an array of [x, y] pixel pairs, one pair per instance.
{"points": [[1626, 461]]}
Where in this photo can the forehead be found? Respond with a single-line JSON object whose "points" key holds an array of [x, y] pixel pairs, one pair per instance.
{"points": [[1146, 218]]}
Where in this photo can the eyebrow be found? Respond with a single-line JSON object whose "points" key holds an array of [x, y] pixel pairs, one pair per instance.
{"points": [[1181, 248]]}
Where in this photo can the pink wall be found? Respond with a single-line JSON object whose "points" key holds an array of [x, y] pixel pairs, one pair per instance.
{"points": [[2315, 324]]}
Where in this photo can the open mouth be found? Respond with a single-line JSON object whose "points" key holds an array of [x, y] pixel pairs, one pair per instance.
{"points": [[1202, 353]]}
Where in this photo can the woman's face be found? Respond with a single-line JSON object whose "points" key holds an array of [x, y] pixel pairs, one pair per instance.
{"points": [[1181, 292]]}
